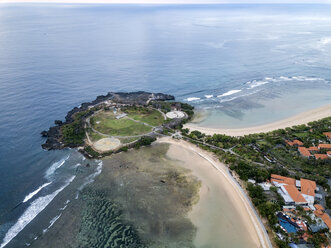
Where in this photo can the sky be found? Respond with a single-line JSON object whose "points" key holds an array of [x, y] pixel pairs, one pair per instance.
{"points": [[173, 1]]}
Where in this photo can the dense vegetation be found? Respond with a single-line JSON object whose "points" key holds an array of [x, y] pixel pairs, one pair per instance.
{"points": [[257, 156]]}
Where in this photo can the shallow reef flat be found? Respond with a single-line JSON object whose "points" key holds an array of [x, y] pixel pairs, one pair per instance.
{"points": [[141, 199]]}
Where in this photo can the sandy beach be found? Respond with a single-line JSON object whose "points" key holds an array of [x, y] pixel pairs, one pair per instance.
{"points": [[303, 118], [223, 210]]}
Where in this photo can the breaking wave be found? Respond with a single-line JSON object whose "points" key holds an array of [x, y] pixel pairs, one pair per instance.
{"points": [[56, 166], [32, 194], [31, 212], [209, 96], [190, 99], [230, 92]]}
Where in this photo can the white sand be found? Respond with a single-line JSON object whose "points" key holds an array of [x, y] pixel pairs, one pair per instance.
{"points": [[303, 118], [223, 216]]}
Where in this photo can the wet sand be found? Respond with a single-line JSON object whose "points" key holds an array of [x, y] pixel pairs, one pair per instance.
{"points": [[303, 118], [223, 216]]}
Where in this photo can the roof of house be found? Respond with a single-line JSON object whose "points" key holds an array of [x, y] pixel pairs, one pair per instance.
{"points": [[324, 146], [319, 207], [308, 187], [304, 151], [295, 194], [327, 134], [294, 142], [328, 153], [327, 220], [313, 148], [282, 179], [321, 156]]}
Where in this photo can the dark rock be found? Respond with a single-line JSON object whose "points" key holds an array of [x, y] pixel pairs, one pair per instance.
{"points": [[58, 122], [44, 133]]}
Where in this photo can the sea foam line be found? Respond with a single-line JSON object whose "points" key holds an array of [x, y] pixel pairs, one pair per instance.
{"points": [[32, 194], [30, 213], [190, 99], [230, 92], [51, 223], [56, 166]]}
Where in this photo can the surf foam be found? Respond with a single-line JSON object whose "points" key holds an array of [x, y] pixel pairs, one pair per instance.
{"points": [[32, 194], [56, 166], [230, 92], [31, 212], [190, 99]]}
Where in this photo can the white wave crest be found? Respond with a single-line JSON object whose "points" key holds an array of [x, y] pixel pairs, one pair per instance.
{"points": [[230, 92], [267, 80], [51, 223], [31, 212], [209, 96], [56, 166], [190, 99], [32, 194]]}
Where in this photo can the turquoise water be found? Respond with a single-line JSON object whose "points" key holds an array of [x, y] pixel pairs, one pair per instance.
{"points": [[245, 64]]}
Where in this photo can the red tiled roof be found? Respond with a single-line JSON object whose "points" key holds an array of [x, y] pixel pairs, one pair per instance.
{"points": [[282, 179], [294, 142], [319, 207], [328, 153], [304, 151], [313, 148], [295, 194], [308, 187], [327, 134], [321, 156], [327, 220], [324, 146]]}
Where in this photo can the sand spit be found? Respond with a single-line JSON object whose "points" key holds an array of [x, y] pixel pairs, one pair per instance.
{"points": [[224, 216], [303, 118]]}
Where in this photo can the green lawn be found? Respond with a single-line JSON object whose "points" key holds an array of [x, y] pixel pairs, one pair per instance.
{"points": [[106, 123], [149, 116]]}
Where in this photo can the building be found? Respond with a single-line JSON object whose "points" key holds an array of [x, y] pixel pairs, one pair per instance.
{"points": [[289, 188], [282, 180], [321, 156], [324, 146], [328, 135], [308, 189], [313, 149], [329, 154], [304, 152], [320, 213], [294, 143]]}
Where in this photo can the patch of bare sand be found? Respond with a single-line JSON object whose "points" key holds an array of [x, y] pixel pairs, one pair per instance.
{"points": [[107, 144], [223, 216]]}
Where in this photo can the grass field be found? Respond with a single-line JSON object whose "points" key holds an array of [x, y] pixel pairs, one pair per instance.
{"points": [[105, 122], [149, 116]]}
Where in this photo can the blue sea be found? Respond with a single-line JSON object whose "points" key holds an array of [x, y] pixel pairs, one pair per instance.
{"points": [[243, 65]]}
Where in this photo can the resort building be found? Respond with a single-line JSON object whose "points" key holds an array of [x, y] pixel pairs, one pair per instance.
{"points": [[321, 156], [308, 189], [313, 149], [324, 146], [320, 213], [289, 188], [328, 135], [304, 152], [294, 143]]}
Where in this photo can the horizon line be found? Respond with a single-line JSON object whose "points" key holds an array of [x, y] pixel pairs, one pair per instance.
{"points": [[153, 3]]}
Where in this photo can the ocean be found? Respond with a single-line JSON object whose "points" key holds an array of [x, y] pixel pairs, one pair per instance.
{"points": [[242, 65]]}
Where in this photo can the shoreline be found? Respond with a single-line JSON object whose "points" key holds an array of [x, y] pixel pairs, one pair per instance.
{"points": [[299, 119], [254, 225]]}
